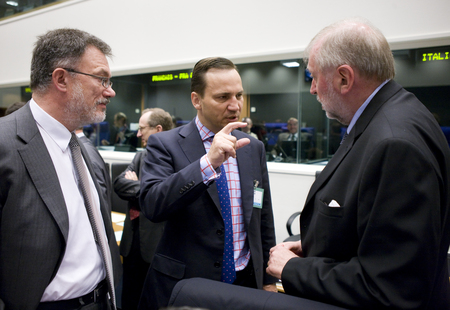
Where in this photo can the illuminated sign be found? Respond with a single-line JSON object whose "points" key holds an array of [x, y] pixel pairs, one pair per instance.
{"points": [[171, 77], [435, 56]]}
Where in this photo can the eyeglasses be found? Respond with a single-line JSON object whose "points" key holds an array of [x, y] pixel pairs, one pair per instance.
{"points": [[106, 82], [140, 128]]}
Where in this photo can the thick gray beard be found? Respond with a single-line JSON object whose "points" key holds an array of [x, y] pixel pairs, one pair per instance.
{"points": [[79, 113]]}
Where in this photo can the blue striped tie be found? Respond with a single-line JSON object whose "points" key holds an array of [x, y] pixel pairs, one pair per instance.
{"points": [[228, 269]]}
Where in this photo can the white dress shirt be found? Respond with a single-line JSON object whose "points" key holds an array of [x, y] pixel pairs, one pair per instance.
{"points": [[81, 268]]}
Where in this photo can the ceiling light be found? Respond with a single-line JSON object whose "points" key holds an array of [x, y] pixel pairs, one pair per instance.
{"points": [[12, 3], [290, 64]]}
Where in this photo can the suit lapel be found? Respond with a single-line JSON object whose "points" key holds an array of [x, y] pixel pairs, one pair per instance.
{"points": [[192, 146], [386, 92], [40, 167], [245, 165]]}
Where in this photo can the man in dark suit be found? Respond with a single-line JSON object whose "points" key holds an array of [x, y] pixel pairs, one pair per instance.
{"points": [[49, 258], [375, 229], [140, 236], [178, 185]]}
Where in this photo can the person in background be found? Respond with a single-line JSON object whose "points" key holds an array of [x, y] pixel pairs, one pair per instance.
{"points": [[375, 228], [179, 185], [119, 132], [140, 236], [14, 107], [247, 129], [49, 257], [292, 134]]}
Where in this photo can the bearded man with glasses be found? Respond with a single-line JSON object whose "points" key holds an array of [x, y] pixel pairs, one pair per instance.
{"points": [[52, 256]]}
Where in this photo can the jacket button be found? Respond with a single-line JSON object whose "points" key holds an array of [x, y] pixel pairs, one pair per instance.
{"points": [[219, 232], [217, 264]]}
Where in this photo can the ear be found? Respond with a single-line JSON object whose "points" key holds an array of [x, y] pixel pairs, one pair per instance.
{"points": [[346, 78], [59, 79], [159, 128], [196, 100]]}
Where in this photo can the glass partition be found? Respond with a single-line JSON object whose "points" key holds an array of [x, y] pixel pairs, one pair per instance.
{"points": [[285, 116], [10, 8]]}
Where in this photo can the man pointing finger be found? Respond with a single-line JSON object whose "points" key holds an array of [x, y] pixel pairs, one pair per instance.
{"points": [[210, 183]]}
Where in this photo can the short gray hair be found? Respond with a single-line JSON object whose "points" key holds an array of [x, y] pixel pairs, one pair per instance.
{"points": [[60, 48], [159, 117], [354, 42]]}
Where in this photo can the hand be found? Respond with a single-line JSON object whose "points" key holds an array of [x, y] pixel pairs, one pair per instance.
{"points": [[131, 175], [280, 255], [270, 288], [225, 145]]}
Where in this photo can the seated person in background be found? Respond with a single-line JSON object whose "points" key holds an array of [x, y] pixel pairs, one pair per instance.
{"points": [[292, 134], [119, 131], [140, 236], [287, 150], [247, 129]]}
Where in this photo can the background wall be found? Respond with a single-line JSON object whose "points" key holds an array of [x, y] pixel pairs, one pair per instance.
{"points": [[151, 36], [161, 35]]}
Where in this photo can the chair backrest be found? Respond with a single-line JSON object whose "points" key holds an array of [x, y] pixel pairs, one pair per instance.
{"points": [[117, 203]]}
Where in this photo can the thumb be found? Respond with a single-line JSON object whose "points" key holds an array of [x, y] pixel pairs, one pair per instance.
{"points": [[242, 142]]}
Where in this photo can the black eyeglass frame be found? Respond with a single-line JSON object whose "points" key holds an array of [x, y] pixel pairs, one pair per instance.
{"points": [[106, 82]]}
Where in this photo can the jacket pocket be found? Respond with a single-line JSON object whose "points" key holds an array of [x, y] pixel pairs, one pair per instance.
{"points": [[168, 266]]}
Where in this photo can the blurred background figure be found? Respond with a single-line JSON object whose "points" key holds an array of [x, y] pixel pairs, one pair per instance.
{"points": [[247, 129]]}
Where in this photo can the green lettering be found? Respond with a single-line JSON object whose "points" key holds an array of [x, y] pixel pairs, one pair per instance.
{"points": [[429, 56], [424, 57]]}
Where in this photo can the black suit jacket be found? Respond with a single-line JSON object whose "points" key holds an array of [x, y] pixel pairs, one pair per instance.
{"points": [[192, 244], [33, 214], [386, 246], [149, 232]]}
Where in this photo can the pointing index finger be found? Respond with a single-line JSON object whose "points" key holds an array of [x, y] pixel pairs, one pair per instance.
{"points": [[232, 126]]}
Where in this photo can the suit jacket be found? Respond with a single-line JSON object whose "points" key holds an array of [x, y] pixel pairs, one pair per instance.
{"points": [[100, 170], [192, 244], [207, 294], [149, 232], [386, 245], [33, 214]]}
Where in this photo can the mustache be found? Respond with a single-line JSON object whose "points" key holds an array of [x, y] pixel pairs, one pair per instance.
{"points": [[103, 101]]}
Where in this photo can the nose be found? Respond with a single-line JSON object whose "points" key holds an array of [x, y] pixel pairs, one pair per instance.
{"points": [[139, 134], [109, 92], [234, 104], [313, 89]]}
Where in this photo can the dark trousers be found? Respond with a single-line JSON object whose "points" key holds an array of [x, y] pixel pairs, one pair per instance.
{"points": [[134, 272], [246, 277]]}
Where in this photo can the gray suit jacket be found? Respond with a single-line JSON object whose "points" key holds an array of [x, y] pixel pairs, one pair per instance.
{"points": [[33, 215], [192, 244]]}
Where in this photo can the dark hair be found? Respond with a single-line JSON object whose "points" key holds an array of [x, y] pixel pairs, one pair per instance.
{"points": [[159, 117], [198, 82], [58, 49]]}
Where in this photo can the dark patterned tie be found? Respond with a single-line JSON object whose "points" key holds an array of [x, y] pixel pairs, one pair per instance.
{"points": [[93, 213], [228, 269]]}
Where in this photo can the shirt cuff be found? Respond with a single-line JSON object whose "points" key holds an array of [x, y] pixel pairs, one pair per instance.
{"points": [[208, 172]]}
